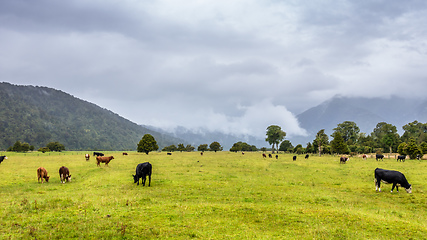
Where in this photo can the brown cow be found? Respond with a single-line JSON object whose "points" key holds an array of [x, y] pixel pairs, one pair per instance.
{"points": [[263, 155], [105, 160], [125, 154], [87, 156], [364, 156], [64, 174], [42, 173], [343, 159]]}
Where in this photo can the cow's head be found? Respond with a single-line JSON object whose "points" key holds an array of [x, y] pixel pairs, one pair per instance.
{"points": [[47, 178], [69, 178], [409, 190], [135, 178]]}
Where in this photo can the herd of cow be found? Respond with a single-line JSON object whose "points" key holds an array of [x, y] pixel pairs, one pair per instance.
{"points": [[381, 175], [145, 169], [142, 170]]}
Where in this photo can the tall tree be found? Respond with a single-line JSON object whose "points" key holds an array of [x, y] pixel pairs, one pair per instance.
{"points": [[385, 136], [349, 131], [286, 146], [415, 130], [215, 146], [274, 135], [412, 149], [147, 144], [321, 140], [338, 144]]}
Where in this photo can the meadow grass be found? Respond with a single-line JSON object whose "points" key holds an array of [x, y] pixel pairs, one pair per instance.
{"points": [[219, 195]]}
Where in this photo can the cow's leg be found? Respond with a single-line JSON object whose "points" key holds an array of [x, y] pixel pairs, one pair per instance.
{"points": [[392, 188], [143, 180], [378, 183], [149, 180]]}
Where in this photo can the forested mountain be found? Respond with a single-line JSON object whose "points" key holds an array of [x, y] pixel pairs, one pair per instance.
{"points": [[39, 115]]}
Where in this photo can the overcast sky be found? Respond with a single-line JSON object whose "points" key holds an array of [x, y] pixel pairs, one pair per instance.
{"points": [[232, 65]]}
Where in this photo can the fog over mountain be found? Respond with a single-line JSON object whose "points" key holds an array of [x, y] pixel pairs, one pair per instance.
{"points": [[365, 112]]}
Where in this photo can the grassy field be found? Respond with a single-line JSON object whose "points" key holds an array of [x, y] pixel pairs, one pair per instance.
{"points": [[219, 195]]}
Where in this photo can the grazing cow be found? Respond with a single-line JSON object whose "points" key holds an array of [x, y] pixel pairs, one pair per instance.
{"points": [[201, 153], [277, 156], [2, 158], [168, 153], [125, 154], [419, 156], [263, 155], [98, 154], [306, 156], [343, 159], [401, 158], [379, 156], [391, 177], [364, 156], [269, 155], [42, 173], [142, 170], [294, 158], [87, 156], [105, 160], [64, 174], [243, 153]]}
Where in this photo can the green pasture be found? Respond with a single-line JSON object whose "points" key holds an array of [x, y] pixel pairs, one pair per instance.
{"points": [[219, 195]]}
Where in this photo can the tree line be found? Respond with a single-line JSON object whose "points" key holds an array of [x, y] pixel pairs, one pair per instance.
{"points": [[347, 139]]}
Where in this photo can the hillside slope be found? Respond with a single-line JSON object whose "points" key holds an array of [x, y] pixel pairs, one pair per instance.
{"points": [[39, 115]]}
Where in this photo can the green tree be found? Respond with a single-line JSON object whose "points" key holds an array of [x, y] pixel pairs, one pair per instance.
{"points": [[415, 130], [412, 149], [181, 147], [202, 147], [385, 136], [55, 146], [171, 148], [286, 146], [236, 147], [321, 140], [401, 148], [274, 136], [189, 148], [309, 148], [423, 147], [298, 149], [349, 131], [20, 147], [147, 144], [215, 146], [338, 144]]}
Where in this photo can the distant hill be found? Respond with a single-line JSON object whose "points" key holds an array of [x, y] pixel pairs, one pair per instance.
{"points": [[365, 112], [39, 115]]}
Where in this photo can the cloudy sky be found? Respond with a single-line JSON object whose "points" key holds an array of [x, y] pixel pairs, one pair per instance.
{"points": [[232, 65]]}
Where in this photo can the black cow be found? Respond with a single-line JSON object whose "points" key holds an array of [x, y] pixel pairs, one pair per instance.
{"points": [[306, 156], [391, 177], [269, 155], [401, 158], [142, 170], [168, 153], [419, 156], [343, 159], [2, 158], [277, 156], [98, 154], [294, 158], [379, 156]]}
